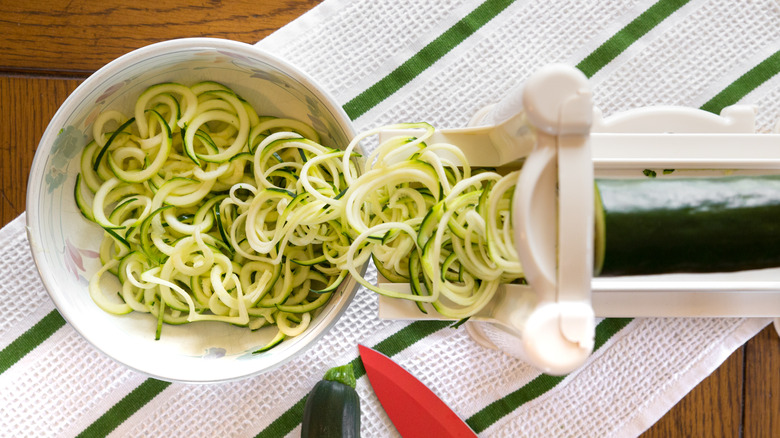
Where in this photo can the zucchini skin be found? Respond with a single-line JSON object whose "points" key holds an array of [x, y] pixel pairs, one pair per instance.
{"points": [[693, 225], [332, 409]]}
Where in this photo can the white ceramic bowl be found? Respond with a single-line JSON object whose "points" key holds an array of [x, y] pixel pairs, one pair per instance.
{"points": [[65, 245]]}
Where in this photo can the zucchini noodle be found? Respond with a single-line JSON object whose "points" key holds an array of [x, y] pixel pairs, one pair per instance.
{"points": [[428, 221], [213, 212]]}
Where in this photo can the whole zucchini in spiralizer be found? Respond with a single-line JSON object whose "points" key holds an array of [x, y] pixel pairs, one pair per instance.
{"points": [[696, 225]]}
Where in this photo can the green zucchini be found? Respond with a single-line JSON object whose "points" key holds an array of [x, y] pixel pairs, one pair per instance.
{"points": [[693, 225], [332, 407]]}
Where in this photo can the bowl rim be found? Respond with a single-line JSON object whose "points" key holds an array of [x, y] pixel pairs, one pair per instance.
{"points": [[69, 105]]}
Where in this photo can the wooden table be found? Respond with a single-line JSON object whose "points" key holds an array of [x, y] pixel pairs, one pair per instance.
{"points": [[48, 47]]}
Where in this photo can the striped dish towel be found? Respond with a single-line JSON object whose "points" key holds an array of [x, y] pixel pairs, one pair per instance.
{"points": [[437, 61]]}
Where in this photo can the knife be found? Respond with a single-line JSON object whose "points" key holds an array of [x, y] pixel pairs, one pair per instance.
{"points": [[413, 408]]}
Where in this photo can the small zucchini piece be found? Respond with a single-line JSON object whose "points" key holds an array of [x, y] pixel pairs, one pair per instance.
{"points": [[332, 407], [333, 284], [389, 274], [84, 206], [415, 274], [274, 342], [105, 147], [308, 307]]}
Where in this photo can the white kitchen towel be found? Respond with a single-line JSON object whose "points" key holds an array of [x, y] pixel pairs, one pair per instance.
{"points": [[437, 61]]}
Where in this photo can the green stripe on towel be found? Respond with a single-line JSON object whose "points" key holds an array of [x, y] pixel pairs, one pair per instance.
{"points": [[425, 58], [628, 35], [748, 82], [129, 405], [538, 386], [30, 339]]}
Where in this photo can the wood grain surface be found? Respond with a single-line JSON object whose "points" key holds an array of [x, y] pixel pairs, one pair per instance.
{"points": [[78, 37], [48, 47]]}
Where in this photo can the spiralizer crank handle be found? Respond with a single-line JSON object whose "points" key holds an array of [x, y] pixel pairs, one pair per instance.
{"points": [[553, 218]]}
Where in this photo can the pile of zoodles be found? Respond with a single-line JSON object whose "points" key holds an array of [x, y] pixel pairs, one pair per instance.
{"points": [[212, 212], [205, 213], [427, 220]]}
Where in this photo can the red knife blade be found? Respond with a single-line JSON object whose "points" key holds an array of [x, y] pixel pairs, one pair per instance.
{"points": [[413, 408]]}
